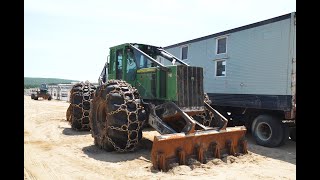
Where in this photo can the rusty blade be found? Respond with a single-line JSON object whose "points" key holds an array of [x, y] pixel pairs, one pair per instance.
{"points": [[201, 145]]}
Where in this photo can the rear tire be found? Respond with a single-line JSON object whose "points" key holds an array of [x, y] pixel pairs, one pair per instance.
{"points": [[269, 131], [81, 95], [117, 116]]}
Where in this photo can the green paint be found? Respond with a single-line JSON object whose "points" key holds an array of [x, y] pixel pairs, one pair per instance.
{"points": [[151, 82]]}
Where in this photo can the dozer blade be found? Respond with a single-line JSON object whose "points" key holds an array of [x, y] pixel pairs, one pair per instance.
{"points": [[201, 145]]}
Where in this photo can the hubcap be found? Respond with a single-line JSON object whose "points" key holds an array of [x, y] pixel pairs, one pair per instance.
{"points": [[264, 131]]}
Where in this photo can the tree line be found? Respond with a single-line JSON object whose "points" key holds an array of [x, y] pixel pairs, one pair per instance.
{"points": [[30, 82]]}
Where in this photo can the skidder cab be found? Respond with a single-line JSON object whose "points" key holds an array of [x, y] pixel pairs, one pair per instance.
{"points": [[145, 84]]}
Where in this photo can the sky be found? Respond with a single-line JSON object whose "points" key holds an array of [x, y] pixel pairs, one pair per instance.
{"points": [[70, 39]]}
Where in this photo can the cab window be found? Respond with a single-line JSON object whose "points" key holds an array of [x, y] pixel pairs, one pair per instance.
{"points": [[119, 64]]}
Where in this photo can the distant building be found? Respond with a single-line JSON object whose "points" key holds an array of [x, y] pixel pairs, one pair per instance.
{"points": [[60, 91]]}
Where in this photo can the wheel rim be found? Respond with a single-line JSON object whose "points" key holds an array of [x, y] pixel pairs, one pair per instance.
{"points": [[264, 131]]}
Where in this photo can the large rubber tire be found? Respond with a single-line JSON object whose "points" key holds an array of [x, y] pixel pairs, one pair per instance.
{"points": [[68, 113], [81, 95], [117, 116], [269, 131], [293, 135], [32, 96], [206, 117]]}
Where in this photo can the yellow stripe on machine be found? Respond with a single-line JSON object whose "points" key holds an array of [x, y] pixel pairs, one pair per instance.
{"points": [[146, 70]]}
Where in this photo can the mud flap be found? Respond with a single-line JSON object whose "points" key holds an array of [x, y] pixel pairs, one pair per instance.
{"points": [[201, 145]]}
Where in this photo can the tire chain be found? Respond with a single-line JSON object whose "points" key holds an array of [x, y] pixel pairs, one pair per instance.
{"points": [[89, 94], [125, 128]]}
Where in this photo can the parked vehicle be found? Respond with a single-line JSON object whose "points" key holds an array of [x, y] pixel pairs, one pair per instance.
{"points": [[250, 75]]}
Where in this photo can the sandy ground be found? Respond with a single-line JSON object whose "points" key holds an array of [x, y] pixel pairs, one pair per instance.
{"points": [[52, 150]]}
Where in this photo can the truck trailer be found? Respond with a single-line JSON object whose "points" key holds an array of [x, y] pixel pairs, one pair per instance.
{"points": [[250, 75]]}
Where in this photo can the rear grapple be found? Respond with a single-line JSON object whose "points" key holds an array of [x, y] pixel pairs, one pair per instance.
{"points": [[206, 117], [78, 112], [117, 116]]}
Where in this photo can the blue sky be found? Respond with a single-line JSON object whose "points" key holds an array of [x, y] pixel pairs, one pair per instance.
{"points": [[70, 39]]}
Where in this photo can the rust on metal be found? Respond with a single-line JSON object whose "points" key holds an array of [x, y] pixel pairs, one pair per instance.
{"points": [[200, 145], [200, 154], [160, 162], [216, 150], [230, 147], [244, 146], [181, 156]]}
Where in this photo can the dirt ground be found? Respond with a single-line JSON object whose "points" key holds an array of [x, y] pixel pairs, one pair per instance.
{"points": [[52, 150]]}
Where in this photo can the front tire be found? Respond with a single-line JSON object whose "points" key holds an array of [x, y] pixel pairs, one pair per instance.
{"points": [[117, 116]]}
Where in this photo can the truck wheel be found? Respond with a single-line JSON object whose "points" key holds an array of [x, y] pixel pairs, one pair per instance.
{"points": [[269, 131], [32, 96], [293, 134], [117, 116], [81, 95], [49, 98], [35, 98]]}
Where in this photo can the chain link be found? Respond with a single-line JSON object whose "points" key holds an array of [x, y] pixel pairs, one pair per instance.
{"points": [[89, 93], [206, 121], [131, 143]]}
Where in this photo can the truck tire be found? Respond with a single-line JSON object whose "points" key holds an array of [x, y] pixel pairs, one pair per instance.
{"points": [[35, 97], [269, 131], [50, 97], [81, 95], [32, 96], [117, 116], [293, 134]]}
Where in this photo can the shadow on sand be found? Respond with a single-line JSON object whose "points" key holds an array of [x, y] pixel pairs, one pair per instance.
{"points": [[142, 152], [286, 152], [72, 132]]}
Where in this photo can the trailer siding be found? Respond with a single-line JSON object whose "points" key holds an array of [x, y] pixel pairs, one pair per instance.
{"points": [[258, 59]]}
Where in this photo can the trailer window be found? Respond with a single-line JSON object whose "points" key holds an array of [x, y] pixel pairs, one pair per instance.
{"points": [[221, 45], [220, 68], [184, 53]]}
